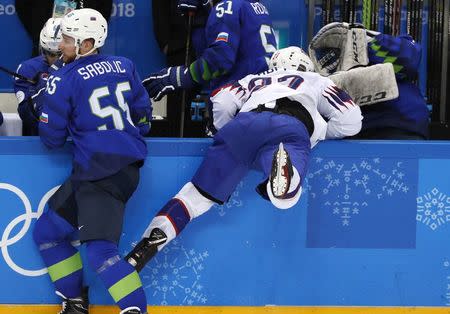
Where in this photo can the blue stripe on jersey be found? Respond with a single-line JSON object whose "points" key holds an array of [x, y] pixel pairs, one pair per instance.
{"points": [[177, 213]]}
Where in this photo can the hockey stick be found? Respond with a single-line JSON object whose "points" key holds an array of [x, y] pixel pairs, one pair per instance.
{"points": [[416, 16], [415, 20], [408, 17], [366, 10], [351, 18], [391, 16], [326, 11], [19, 76], [386, 17], [420, 21], [396, 17], [333, 9], [430, 49], [376, 11], [186, 63], [345, 11]]}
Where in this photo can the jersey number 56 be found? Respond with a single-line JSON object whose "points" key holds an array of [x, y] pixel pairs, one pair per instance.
{"points": [[111, 111]]}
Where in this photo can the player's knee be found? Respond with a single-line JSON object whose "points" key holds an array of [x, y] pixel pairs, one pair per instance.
{"points": [[101, 254], [47, 230], [194, 201]]}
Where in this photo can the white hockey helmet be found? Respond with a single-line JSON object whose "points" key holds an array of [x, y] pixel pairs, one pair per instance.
{"points": [[84, 24], [292, 58], [50, 36]]}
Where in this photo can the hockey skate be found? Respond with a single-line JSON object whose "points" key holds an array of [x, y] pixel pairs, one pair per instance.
{"points": [[281, 173], [75, 305], [131, 310], [146, 249]]}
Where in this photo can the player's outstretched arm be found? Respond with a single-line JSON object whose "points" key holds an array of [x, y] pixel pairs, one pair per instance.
{"points": [[167, 81], [344, 116]]}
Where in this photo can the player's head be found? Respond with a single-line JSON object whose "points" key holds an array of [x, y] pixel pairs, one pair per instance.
{"points": [[291, 58], [83, 32], [49, 39]]}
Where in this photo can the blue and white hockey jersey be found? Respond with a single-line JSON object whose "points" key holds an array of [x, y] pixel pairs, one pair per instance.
{"points": [[333, 112], [100, 102], [239, 40]]}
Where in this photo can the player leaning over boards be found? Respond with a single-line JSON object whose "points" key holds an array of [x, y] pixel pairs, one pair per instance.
{"points": [[237, 40], [268, 121], [100, 102]]}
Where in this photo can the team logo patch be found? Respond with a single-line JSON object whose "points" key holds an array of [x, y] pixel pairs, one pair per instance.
{"points": [[43, 118], [222, 37]]}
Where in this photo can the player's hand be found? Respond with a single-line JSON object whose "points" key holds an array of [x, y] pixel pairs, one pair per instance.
{"points": [[27, 111], [167, 81], [187, 6]]}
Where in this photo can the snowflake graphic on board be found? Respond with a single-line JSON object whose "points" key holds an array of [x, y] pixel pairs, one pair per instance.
{"points": [[433, 209], [354, 183], [234, 201], [175, 276]]}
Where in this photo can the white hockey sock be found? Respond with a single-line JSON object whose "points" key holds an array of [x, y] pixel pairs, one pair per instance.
{"points": [[195, 203]]}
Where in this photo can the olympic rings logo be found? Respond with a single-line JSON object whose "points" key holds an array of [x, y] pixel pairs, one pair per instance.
{"points": [[5, 241]]}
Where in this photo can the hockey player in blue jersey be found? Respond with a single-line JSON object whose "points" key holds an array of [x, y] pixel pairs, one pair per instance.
{"points": [[239, 41], [406, 117], [269, 122], [98, 101], [37, 69]]}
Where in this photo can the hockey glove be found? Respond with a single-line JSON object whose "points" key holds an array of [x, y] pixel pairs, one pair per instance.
{"points": [[186, 6], [27, 113], [339, 47], [30, 109], [168, 80]]}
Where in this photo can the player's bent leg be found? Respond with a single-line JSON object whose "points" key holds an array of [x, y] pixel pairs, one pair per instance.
{"points": [[186, 205], [63, 261], [119, 277]]}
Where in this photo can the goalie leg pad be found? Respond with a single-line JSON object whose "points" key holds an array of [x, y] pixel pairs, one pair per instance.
{"points": [[368, 85]]}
